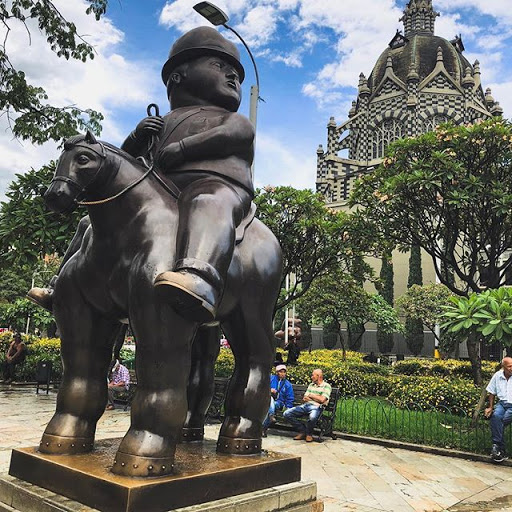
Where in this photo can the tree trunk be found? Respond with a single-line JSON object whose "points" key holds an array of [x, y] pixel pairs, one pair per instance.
{"points": [[481, 403], [474, 357]]}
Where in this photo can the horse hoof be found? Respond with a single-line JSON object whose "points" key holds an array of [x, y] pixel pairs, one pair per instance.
{"points": [[135, 465], [60, 445], [192, 434], [238, 445]]}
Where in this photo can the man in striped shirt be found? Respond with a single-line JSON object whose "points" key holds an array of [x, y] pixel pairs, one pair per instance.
{"points": [[315, 399], [119, 381]]}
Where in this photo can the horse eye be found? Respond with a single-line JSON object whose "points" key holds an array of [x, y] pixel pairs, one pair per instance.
{"points": [[82, 159]]}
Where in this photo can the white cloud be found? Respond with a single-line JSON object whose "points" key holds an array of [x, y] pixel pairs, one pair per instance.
{"points": [[278, 164], [100, 84]]}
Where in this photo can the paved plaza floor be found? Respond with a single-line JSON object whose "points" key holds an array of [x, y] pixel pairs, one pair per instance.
{"points": [[351, 476]]}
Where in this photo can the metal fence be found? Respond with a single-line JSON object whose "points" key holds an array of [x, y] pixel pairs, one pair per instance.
{"points": [[443, 427]]}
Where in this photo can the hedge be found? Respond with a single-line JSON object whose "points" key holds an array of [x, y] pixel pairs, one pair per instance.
{"points": [[442, 368], [355, 378]]}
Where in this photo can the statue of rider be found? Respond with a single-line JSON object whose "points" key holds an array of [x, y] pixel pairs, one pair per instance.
{"points": [[206, 148]]}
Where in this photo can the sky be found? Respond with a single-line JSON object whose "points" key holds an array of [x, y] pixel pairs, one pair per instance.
{"points": [[309, 55]]}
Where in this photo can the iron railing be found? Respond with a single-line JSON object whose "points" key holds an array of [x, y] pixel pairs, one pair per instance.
{"points": [[442, 426]]}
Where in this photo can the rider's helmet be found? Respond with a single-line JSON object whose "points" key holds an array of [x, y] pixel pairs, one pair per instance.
{"points": [[198, 42]]}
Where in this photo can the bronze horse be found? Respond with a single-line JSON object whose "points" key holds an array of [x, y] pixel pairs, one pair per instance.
{"points": [[110, 279]]}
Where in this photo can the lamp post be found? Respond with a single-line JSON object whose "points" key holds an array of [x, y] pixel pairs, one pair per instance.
{"points": [[217, 17]]}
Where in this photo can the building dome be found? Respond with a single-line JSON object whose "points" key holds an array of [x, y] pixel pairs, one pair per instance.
{"points": [[419, 53], [418, 82]]}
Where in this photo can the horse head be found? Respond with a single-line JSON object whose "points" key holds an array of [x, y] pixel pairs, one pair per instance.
{"points": [[78, 172]]}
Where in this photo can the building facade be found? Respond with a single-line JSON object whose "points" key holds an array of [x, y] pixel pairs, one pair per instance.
{"points": [[419, 81]]}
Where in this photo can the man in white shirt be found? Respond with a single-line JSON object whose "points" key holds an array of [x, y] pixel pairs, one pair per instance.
{"points": [[500, 386]]}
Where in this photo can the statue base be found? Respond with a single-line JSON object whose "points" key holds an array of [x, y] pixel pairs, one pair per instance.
{"points": [[201, 476]]}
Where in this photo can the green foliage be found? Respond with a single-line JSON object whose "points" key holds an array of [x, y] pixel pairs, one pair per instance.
{"points": [[314, 238], [384, 337], [39, 349], [425, 303], [447, 368], [415, 270], [449, 192], [14, 315], [426, 392], [25, 105], [414, 336], [28, 230], [337, 299], [488, 314]]}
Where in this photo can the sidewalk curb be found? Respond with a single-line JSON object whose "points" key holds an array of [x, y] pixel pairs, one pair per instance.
{"points": [[434, 450]]}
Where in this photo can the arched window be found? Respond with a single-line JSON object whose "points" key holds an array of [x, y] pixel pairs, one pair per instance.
{"points": [[385, 133], [430, 124]]}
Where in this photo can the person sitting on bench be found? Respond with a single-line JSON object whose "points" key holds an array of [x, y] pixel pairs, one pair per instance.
{"points": [[315, 399]]}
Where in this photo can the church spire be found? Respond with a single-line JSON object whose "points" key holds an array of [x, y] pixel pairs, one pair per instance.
{"points": [[419, 17]]}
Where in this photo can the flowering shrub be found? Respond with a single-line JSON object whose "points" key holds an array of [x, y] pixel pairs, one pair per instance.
{"points": [[442, 368], [460, 396], [415, 383]]}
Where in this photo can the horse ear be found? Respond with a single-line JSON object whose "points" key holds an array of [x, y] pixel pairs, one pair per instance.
{"points": [[90, 138]]}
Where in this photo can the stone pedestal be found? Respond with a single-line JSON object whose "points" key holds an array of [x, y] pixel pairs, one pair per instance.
{"points": [[19, 496], [202, 478]]}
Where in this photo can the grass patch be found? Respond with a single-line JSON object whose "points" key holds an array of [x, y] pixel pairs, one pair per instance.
{"points": [[377, 417]]}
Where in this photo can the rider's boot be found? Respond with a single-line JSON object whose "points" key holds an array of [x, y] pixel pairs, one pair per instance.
{"points": [[190, 294], [43, 296]]}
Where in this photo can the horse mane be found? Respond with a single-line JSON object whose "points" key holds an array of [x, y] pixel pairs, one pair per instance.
{"points": [[77, 139]]}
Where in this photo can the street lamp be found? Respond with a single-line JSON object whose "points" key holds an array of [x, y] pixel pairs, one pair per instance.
{"points": [[217, 17]]}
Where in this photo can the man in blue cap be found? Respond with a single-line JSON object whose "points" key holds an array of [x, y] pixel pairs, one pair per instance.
{"points": [[207, 149]]}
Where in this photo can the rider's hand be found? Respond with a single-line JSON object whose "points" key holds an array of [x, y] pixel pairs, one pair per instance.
{"points": [[488, 412], [170, 156], [149, 126]]}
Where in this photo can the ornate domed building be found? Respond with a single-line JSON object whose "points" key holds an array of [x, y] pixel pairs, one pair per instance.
{"points": [[419, 81]]}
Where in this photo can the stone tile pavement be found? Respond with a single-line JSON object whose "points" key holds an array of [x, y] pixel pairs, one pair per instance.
{"points": [[351, 476]]}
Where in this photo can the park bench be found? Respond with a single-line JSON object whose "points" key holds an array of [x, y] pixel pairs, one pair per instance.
{"points": [[215, 410], [324, 425]]}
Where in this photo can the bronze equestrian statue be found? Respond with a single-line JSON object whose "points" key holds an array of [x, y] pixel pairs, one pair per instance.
{"points": [[172, 249]]}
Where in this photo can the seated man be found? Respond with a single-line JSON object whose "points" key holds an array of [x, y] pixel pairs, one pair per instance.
{"points": [[119, 381], [500, 387], [315, 399], [282, 396], [15, 355]]}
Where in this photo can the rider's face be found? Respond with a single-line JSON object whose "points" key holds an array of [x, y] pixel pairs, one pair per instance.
{"points": [[211, 80]]}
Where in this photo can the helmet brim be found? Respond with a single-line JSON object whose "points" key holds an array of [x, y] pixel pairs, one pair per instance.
{"points": [[193, 53]]}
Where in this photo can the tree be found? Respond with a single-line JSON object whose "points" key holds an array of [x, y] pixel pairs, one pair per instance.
{"points": [[314, 238], [28, 230], [336, 299], [25, 105], [414, 336], [425, 304], [384, 337], [449, 192]]}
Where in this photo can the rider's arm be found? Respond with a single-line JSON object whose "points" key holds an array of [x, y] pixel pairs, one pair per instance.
{"points": [[234, 135], [136, 144]]}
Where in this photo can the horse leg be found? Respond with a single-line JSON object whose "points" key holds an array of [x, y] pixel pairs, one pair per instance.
{"points": [[249, 331], [159, 407], [201, 383], [86, 347]]}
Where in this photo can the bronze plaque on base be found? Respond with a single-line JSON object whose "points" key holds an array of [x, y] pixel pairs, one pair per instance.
{"points": [[201, 475]]}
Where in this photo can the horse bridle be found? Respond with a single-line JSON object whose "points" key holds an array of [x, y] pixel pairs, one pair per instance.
{"points": [[82, 189]]}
